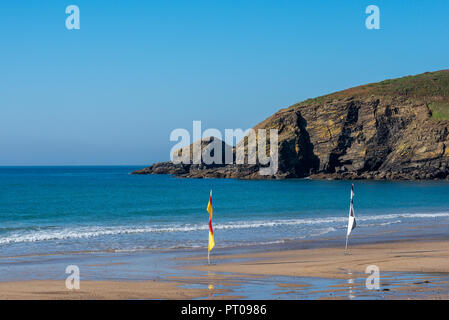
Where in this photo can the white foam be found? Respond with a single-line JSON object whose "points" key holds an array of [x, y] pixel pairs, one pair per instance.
{"points": [[64, 233], [323, 232]]}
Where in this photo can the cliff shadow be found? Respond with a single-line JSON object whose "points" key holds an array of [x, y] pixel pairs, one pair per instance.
{"points": [[308, 162]]}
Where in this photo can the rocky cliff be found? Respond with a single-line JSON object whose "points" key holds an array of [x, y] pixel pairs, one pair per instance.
{"points": [[394, 129]]}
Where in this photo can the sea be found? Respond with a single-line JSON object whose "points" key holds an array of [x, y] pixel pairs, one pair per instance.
{"points": [[51, 210]]}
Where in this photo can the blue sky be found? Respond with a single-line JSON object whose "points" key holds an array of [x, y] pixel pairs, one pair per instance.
{"points": [[111, 92]]}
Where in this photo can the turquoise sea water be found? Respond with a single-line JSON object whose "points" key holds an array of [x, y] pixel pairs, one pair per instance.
{"points": [[65, 209]]}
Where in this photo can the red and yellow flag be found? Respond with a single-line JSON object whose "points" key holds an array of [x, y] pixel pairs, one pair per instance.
{"points": [[211, 232]]}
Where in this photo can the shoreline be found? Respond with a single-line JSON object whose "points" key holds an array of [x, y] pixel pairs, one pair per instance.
{"points": [[367, 176], [429, 231]]}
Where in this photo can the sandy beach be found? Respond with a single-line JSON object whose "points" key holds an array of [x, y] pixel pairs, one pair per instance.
{"points": [[408, 256], [408, 270], [96, 290]]}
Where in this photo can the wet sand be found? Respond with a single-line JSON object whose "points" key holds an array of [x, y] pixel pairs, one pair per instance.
{"points": [[417, 269], [404, 256]]}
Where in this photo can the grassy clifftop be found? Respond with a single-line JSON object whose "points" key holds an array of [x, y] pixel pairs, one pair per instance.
{"points": [[429, 87]]}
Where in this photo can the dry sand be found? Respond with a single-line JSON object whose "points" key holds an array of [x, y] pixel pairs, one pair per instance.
{"points": [[97, 290]]}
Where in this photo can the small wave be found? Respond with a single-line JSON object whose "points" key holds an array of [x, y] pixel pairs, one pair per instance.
{"points": [[406, 215], [382, 224], [35, 234], [323, 232]]}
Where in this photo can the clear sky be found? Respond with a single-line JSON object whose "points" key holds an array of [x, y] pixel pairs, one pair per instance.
{"points": [[111, 92]]}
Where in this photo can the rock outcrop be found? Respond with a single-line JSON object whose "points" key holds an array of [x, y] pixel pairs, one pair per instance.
{"points": [[394, 130]]}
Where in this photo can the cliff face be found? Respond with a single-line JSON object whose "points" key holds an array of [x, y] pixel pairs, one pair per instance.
{"points": [[395, 129]]}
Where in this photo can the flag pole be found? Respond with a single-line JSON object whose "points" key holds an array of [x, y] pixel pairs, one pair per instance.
{"points": [[211, 232], [351, 223]]}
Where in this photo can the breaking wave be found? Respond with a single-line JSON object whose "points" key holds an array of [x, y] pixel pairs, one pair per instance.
{"points": [[324, 225]]}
